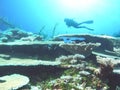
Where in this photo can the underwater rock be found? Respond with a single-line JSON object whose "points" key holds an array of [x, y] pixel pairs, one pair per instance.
{"points": [[106, 41], [13, 82], [82, 48], [106, 66]]}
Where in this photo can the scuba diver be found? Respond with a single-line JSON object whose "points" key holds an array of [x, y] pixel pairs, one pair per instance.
{"points": [[72, 23]]}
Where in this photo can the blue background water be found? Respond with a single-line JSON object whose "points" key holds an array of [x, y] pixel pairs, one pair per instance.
{"points": [[32, 15]]}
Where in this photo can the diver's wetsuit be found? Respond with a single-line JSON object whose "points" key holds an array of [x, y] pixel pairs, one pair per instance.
{"points": [[71, 22]]}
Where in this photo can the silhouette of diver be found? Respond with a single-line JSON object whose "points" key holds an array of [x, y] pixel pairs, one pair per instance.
{"points": [[71, 22]]}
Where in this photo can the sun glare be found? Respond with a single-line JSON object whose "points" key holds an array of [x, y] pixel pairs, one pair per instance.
{"points": [[69, 4], [78, 5]]}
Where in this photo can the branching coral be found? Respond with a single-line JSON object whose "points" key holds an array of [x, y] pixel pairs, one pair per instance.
{"points": [[106, 67], [105, 72], [76, 60]]}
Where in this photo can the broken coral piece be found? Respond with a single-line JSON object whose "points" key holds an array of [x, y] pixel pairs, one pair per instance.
{"points": [[13, 82]]}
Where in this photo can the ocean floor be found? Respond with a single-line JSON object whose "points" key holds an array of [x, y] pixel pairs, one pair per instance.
{"points": [[65, 62]]}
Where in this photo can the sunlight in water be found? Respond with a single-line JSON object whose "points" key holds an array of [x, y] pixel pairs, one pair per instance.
{"points": [[79, 5]]}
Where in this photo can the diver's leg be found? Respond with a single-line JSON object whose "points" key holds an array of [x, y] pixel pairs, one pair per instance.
{"points": [[89, 28], [85, 28], [86, 22]]}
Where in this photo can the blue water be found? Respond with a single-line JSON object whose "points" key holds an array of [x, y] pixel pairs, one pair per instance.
{"points": [[32, 15]]}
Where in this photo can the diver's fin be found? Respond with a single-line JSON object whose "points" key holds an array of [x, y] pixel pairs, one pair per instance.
{"points": [[89, 29], [87, 22], [86, 28]]}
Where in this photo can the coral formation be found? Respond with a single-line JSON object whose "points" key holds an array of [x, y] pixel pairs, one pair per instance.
{"points": [[68, 63], [76, 60], [106, 66], [11, 35], [13, 82], [106, 41], [105, 72], [77, 77], [80, 48]]}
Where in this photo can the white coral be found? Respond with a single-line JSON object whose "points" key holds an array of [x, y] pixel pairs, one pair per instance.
{"points": [[13, 82]]}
